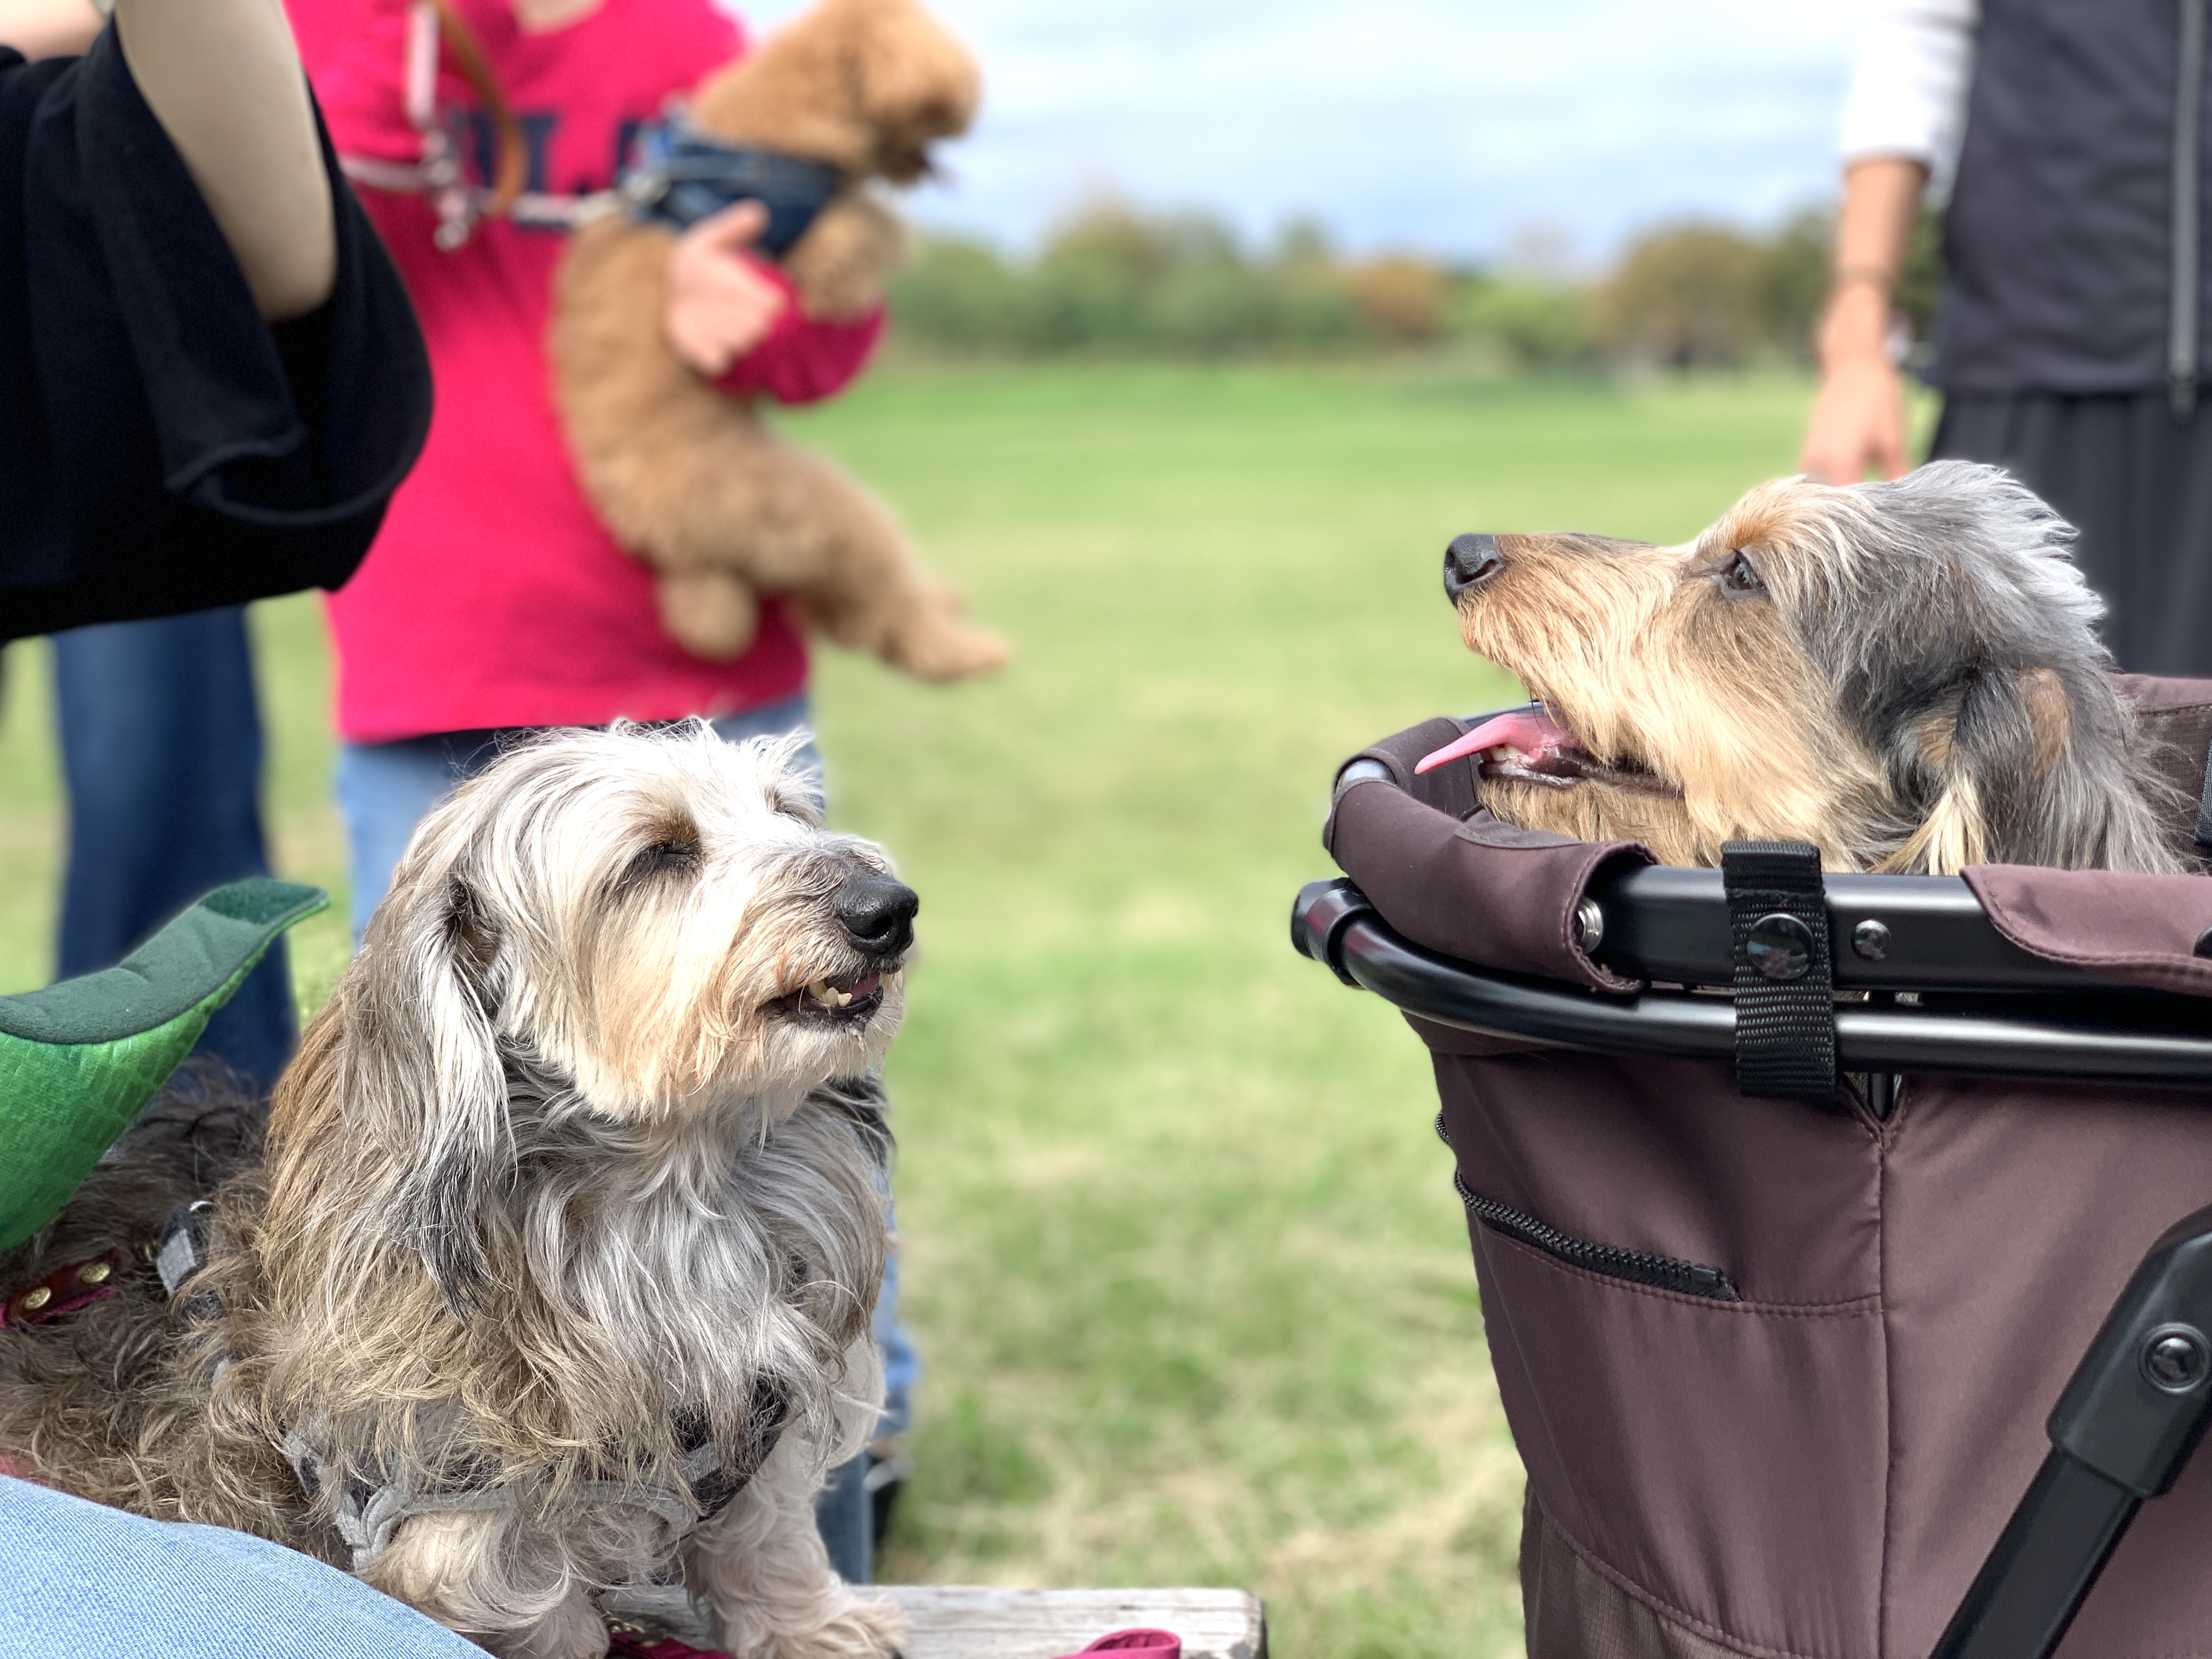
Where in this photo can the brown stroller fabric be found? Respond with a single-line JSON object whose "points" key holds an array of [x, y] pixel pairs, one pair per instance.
{"points": [[1779, 1374]]}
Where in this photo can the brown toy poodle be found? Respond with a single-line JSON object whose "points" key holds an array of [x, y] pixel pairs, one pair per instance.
{"points": [[693, 481]]}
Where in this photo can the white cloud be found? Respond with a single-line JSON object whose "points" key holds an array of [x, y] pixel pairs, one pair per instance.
{"points": [[1424, 122]]}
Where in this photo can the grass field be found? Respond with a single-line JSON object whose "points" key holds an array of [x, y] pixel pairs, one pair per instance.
{"points": [[1182, 1253]]}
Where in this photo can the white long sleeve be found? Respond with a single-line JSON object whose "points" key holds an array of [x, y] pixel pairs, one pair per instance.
{"points": [[1908, 93]]}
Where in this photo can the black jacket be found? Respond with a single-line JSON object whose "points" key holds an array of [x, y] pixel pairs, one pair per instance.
{"points": [[161, 448], [2059, 230]]}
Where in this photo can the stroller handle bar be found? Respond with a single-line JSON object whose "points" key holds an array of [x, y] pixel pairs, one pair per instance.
{"points": [[1663, 922], [1672, 925]]}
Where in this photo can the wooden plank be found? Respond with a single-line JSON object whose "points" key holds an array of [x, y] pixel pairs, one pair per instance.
{"points": [[981, 1621], [961, 1621]]}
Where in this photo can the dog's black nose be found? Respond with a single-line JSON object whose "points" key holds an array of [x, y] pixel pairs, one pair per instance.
{"points": [[877, 913], [1469, 561]]}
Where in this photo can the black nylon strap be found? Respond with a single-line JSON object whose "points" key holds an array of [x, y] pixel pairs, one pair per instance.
{"points": [[1785, 1003]]}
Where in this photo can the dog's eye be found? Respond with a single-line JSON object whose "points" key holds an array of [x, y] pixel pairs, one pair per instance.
{"points": [[1739, 576], [663, 856]]}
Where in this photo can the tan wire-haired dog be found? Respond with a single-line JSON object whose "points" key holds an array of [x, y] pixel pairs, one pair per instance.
{"points": [[1905, 675], [691, 480], [556, 1274]]}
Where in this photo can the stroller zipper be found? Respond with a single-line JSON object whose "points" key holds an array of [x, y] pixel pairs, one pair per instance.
{"points": [[1640, 1266], [1637, 1267]]}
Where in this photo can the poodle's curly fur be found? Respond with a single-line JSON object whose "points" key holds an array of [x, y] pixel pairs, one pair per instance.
{"points": [[693, 481]]}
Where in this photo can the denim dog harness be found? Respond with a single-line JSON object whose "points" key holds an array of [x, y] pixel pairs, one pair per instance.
{"points": [[675, 174], [679, 176]]}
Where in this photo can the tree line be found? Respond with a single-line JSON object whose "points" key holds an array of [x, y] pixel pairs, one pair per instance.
{"points": [[1116, 278]]}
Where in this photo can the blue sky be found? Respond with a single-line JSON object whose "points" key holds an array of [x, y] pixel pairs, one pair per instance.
{"points": [[1448, 126]]}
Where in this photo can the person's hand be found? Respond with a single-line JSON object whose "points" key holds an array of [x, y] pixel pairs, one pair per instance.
{"points": [[720, 306], [1858, 418], [1858, 423]]}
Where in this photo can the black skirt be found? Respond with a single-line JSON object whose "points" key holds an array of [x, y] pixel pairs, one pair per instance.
{"points": [[2136, 483]]}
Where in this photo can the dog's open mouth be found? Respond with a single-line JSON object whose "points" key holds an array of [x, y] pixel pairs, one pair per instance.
{"points": [[851, 998], [1528, 744]]}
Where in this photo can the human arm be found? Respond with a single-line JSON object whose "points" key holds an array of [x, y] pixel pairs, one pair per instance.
{"points": [[721, 302], [1905, 108], [224, 81], [163, 447], [48, 28], [739, 322], [1858, 417]]}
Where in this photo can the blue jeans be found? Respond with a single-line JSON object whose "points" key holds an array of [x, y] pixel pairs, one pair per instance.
{"points": [[161, 748], [79, 1578], [386, 789]]}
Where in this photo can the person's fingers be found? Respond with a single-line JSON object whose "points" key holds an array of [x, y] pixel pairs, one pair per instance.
{"points": [[719, 305], [697, 342], [738, 226], [1829, 456]]}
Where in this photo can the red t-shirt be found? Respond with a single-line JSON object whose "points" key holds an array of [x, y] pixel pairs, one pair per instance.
{"points": [[494, 597]]}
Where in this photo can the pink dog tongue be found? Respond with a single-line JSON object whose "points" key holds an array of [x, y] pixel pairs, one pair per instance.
{"points": [[1531, 731]]}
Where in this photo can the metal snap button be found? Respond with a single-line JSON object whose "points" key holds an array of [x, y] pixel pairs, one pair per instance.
{"points": [[2175, 1358], [1588, 926], [1779, 946], [1870, 939]]}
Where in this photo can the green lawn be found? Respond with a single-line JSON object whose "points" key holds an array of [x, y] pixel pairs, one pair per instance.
{"points": [[1181, 1250]]}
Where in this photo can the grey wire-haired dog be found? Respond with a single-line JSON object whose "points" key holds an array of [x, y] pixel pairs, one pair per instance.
{"points": [[556, 1273], [1907, 675]]}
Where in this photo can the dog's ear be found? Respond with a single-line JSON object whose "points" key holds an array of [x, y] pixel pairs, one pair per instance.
{"points": [[1996, 774], [421, 1073]]}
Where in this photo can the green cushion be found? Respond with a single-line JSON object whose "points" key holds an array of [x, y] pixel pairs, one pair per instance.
{"points": [[78, 1059]]}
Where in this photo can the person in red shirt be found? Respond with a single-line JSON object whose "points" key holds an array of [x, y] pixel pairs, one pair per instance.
{"points": [[495, 602]]}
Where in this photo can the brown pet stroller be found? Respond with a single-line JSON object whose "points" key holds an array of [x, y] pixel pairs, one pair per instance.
{"points": [[1804, 1209]]}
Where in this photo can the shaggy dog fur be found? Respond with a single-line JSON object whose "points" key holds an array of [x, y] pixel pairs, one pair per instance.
{"points": [[565, 1166], [1905, 675], [693, 481]]}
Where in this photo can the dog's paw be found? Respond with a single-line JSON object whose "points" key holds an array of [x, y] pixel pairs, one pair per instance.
{"points": [[944, 647], [865, 1630], [857, 1630], [712, 614]]}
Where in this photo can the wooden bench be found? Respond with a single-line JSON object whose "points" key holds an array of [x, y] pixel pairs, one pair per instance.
{"points": [[965, 1621]]}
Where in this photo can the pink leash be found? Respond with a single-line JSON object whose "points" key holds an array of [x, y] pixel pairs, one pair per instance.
{"points": [[1138, 1643]]}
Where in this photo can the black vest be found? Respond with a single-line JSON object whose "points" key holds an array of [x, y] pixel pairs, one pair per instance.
{"points": [[2060, 231]]}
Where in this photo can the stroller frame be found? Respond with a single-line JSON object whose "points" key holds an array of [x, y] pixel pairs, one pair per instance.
{"points": [[1923, 982]]}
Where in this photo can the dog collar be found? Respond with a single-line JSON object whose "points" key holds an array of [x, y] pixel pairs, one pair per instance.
{"points": [[679, 176]]}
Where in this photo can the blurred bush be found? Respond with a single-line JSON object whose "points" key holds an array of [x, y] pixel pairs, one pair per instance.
{"points": [[1529, 322], [1686, 296], [1115, 278]]}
